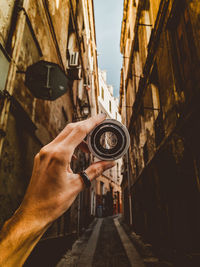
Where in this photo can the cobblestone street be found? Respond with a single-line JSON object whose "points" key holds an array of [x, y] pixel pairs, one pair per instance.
{"points": [[106, 244], [110, 250]]}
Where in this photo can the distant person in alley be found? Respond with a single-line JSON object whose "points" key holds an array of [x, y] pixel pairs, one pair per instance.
{"points": [[52, 189]]}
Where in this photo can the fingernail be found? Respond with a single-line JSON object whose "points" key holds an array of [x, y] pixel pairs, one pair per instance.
{"points": [[101, 115], [111, 164]]}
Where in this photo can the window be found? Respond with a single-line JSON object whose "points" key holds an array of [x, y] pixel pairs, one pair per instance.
{"points": [[102, 93], [110, 106], [156, 101]]}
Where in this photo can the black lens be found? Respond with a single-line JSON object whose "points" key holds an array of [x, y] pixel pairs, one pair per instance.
{"points": [[108, 140]]}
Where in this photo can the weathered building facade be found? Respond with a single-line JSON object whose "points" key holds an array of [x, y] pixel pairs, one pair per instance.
{"points": [[160, 78], [58, 31], [108, 190]]}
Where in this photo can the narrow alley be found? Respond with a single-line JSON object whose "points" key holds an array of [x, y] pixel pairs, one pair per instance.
{"points": [[107, 245], [99, 133]]}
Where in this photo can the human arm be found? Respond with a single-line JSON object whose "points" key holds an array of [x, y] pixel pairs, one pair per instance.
{"points": [[52, 189]]}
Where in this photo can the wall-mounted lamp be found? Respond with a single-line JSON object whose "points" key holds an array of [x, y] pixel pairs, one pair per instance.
{"points": [[46, 80], [85, 109]]}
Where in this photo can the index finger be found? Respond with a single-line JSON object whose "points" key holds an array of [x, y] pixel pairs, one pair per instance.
{"points": [[81, 130]]}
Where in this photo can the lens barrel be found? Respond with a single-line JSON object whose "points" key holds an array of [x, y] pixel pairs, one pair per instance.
{"points": [[109, 140]]}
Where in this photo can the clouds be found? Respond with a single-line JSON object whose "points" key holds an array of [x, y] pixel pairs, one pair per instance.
{"points": [[108, 17]]}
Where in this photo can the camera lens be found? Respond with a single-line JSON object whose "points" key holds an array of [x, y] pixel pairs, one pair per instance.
{"points": [[109, 140]]}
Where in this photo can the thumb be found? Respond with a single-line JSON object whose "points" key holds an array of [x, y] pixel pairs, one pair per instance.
{"points": [[97, 168]]}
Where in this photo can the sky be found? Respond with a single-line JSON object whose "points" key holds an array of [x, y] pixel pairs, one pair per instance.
{"points": [[108, 18]]}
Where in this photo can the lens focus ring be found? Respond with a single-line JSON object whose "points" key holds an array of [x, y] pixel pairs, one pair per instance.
{"points": [[109, 140]]}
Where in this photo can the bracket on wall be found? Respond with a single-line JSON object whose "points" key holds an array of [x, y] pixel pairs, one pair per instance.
{"points": [[143, 24]]}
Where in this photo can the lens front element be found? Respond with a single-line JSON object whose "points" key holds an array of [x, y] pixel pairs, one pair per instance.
{"points": [[109, 140]]}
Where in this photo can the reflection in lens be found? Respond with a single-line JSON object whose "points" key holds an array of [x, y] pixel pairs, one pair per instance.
{"points": [[108, 140]]}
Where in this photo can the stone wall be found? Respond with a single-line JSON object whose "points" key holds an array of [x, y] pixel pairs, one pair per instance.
{"points": [[32, 31], [162, 79]]}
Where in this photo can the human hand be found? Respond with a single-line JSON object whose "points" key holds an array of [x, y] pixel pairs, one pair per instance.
{"points": [[52, 189], [53, 186]]}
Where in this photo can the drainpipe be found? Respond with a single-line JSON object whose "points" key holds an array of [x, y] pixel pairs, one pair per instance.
{"points": [[127, 156]]}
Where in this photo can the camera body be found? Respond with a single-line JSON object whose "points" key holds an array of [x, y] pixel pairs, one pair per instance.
{"points": [[109, 140]]}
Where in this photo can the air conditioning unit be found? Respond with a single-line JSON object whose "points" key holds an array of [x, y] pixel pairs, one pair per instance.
{"points": [[73, 60], [74, 69]]}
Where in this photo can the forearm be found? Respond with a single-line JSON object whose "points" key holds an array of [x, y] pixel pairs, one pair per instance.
{"points": [[52, 189], [18, 237]]}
